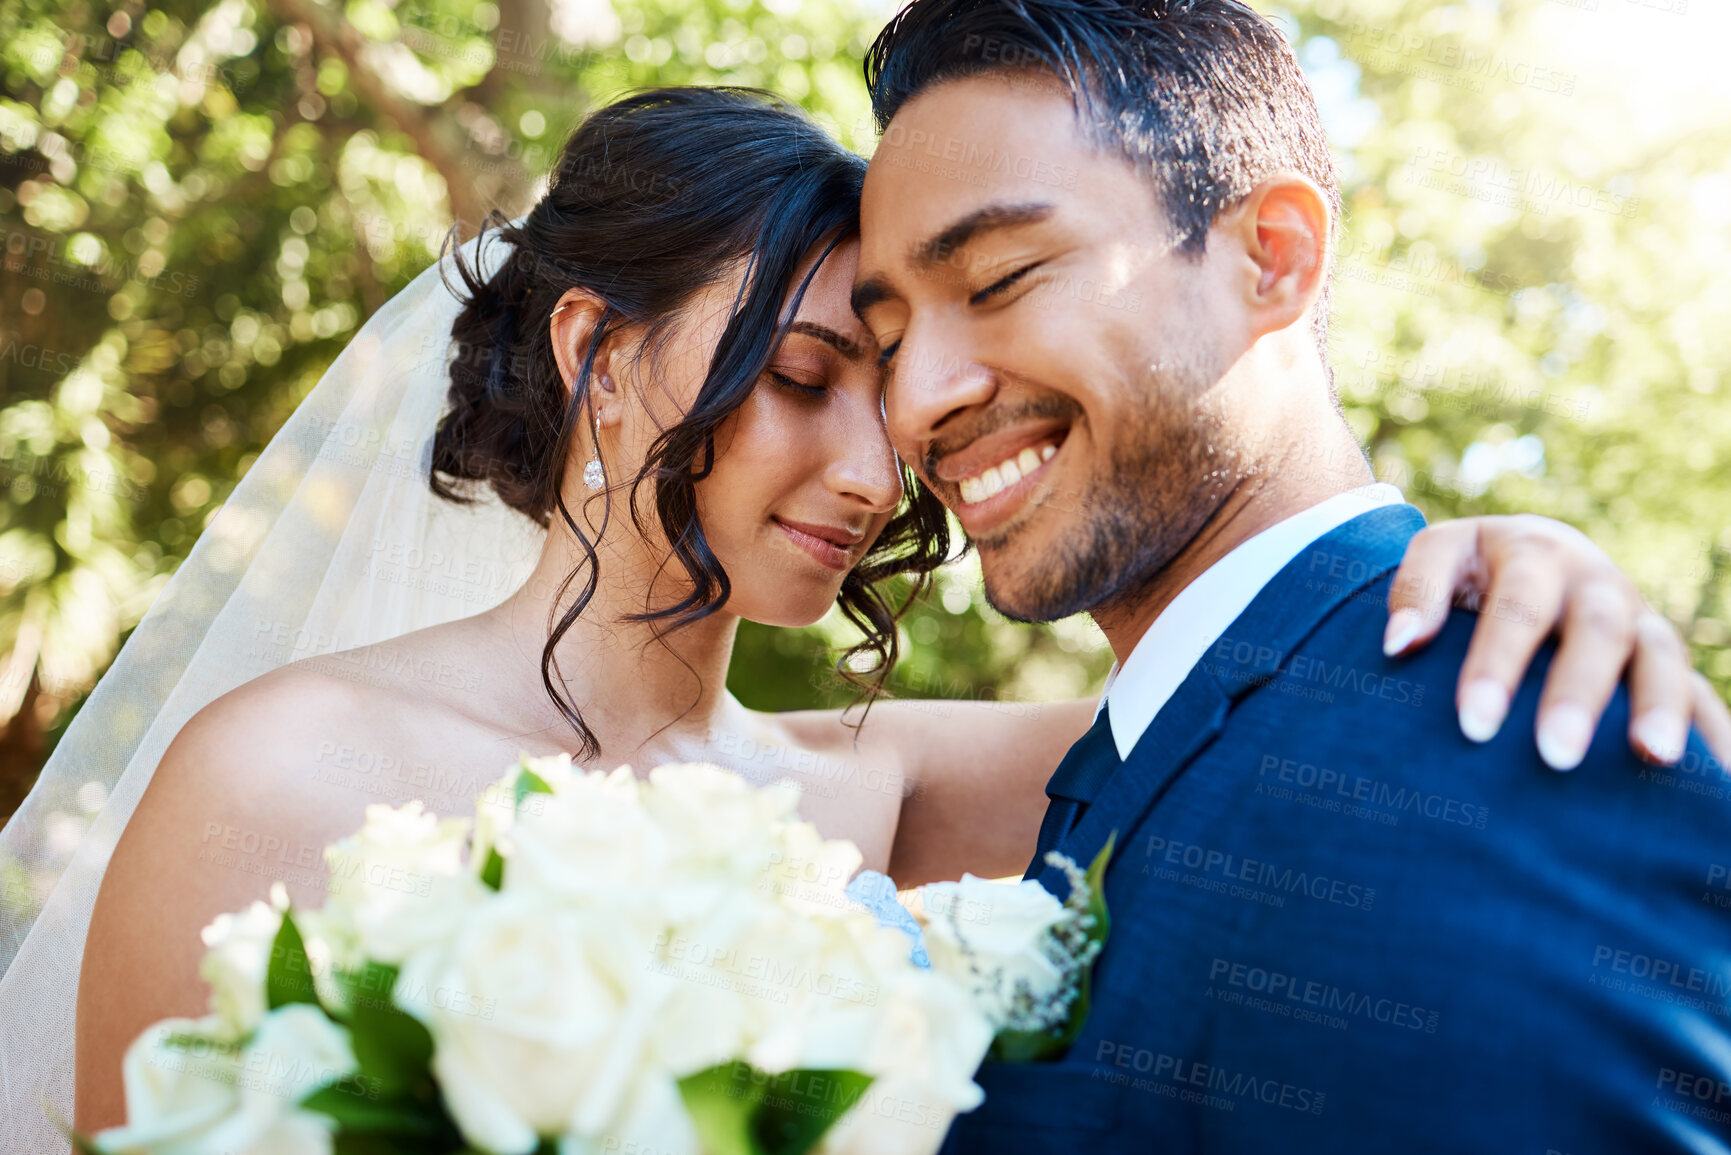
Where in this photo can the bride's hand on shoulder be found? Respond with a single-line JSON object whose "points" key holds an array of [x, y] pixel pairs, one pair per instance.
{"points": [[1530, 576]]}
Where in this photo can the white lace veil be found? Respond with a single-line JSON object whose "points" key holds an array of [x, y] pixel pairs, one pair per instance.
{"points": [[332, 540]]}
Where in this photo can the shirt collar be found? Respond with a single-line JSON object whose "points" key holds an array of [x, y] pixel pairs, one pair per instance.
{"points": [[1176, 640]]}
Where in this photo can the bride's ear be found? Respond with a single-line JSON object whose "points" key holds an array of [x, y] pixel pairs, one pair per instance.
{"points": [[572, 328]]}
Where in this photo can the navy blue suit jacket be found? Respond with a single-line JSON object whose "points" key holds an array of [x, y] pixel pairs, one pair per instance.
{"points": [[1337, 925]]}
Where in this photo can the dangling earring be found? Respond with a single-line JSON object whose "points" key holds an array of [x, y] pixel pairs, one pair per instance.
{"points": [[593, 476]]}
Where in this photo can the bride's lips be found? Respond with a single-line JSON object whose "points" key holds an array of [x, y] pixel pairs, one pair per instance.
{"points": [[829, 545]]}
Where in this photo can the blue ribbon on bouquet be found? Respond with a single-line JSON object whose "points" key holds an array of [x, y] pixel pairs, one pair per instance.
{"points": [[877, 893]]}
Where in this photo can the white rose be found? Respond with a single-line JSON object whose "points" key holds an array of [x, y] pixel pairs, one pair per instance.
{"points": [[234, 964], [924, 1041], [588, 839], [210, 1100], [989, 936], [930, 1043], [398, 882], [721, 823], [810, 873], [496, 808], [540, 1011]]}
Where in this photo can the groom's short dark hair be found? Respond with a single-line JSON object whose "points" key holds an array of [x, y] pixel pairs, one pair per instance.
{"points": [[1203, 96]]}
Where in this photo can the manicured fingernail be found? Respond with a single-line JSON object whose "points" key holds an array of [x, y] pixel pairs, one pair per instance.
{"points": [[1402, 631], [1484, 705], [1663, 733], [1565, 731]]}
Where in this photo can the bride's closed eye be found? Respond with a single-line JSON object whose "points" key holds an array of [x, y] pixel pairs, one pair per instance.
{"points": [[808, 391]]}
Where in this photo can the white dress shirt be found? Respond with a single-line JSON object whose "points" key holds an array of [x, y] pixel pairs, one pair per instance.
{"points": [[1202, 611]]}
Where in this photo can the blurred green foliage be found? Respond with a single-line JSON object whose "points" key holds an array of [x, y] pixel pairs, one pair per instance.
{"points": [[200, 204]]}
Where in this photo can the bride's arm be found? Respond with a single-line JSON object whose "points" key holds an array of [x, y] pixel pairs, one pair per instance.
{"points": [[977, 774], [220, 818]]}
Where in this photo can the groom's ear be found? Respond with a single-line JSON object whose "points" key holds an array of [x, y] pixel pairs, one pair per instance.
{"points": [[572, 327], [1284, 227]]}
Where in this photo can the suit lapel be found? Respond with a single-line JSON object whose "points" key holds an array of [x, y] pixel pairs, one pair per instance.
{"points": [[1183, 728], [1253, 650]]}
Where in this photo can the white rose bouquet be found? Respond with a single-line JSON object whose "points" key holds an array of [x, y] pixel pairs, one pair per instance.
{"points": [[592, 963]]}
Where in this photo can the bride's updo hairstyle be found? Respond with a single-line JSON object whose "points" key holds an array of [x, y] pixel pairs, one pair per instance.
{"points": [[655, 198]]}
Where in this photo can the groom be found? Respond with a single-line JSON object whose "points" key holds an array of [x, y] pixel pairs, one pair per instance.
{"points": [[1096, 255]]}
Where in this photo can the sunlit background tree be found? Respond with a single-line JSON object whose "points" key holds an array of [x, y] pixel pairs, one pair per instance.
{"points": [[201, 204]]}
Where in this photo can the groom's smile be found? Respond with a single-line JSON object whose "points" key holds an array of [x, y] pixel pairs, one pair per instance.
{"points": [[1052, 356], [988, 470]]}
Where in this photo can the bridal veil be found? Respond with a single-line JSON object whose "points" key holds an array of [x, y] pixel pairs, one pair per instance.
{"points": [[332, 540]]}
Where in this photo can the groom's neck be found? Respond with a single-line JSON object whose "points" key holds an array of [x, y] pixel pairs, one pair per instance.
{"points": [[1309, 466]]}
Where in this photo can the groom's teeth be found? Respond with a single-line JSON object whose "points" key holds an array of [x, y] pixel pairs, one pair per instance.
{"points": [[1005, 474]]}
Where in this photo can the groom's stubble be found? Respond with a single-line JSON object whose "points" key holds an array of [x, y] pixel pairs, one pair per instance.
{"points": [[1168, 470]]}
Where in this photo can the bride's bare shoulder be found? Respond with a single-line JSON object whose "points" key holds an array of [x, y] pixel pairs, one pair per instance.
{"points": [[277, 715], [276, 749]]}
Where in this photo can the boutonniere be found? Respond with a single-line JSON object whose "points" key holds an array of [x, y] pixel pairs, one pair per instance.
{"points": [[1027, 957]]}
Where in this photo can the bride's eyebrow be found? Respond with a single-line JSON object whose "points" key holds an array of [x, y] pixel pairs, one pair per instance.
{"points": [[846, 346]]}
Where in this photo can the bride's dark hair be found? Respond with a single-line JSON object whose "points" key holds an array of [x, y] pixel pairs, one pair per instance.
{"points": [[656, 197]]}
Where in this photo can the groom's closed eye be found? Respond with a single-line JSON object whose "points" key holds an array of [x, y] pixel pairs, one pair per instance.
{"points": [[1002, 285]]}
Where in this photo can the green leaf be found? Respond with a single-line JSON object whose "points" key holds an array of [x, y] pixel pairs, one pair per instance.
{"points": [[365, 1143], [192, 1041], [799, 1106], [290, 976], [720, 1101], [493, 870], [80, 1144], [529, 782], [740, 1111], [1096, 877], [359, 1109], [394, 1050]]}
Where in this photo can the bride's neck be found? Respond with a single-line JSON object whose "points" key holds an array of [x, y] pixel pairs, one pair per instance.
{"points": [[646, 699]]}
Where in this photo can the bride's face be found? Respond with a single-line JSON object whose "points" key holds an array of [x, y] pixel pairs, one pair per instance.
{"points": [[805, 478]]}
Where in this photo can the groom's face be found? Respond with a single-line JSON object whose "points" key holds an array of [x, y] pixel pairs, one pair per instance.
{"points": [[1054, 360]]}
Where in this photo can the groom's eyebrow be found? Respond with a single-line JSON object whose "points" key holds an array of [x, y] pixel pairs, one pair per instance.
{"points": [[938, 248]]}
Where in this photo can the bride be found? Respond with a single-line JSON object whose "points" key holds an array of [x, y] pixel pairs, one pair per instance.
{"points": [[662, 417]]}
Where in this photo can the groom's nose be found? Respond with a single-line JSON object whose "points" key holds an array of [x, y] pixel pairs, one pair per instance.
{"points": [[934, 380]]}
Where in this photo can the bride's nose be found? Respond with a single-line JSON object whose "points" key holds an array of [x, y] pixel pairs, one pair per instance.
{"points": [[862, 463]]}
